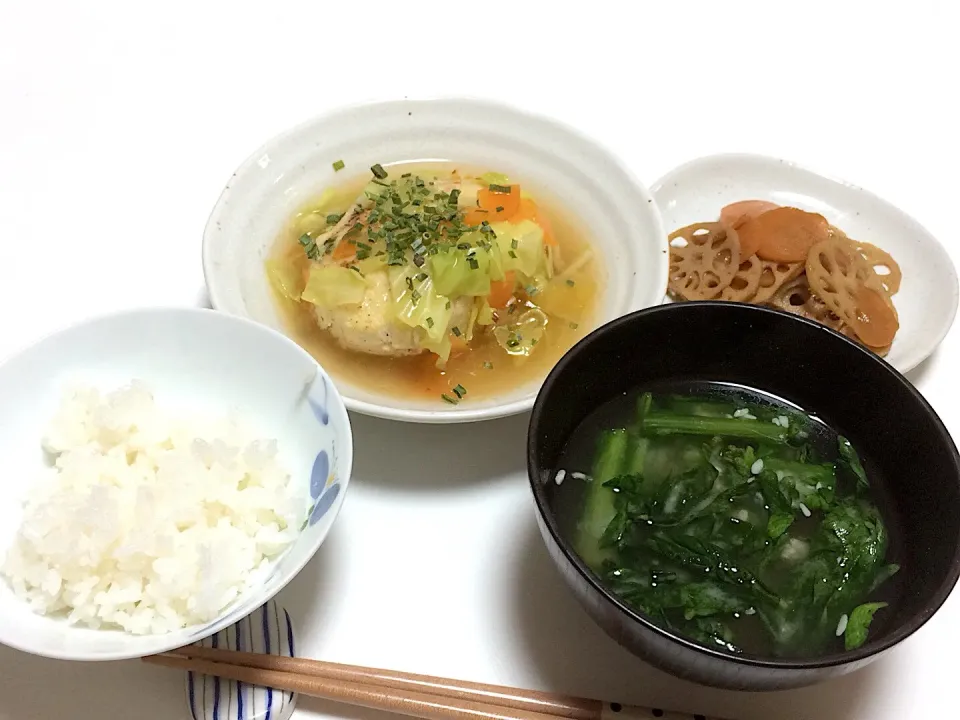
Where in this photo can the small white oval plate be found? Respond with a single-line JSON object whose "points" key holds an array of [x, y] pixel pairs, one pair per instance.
{"points": [[927, 300], [193, 360], [295, 166]]}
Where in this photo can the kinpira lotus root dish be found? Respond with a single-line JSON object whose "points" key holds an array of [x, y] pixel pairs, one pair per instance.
{"points": [[792, 260], [434, 281]]}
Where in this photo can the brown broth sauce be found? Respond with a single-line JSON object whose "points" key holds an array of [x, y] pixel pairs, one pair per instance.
{"points": [[418, 375]]}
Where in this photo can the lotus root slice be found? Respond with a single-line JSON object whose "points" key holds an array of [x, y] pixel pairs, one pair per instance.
{"points": [[796, 297], [773, 276], [704, 257], [746, 281], [843, 279], [883, 264]]}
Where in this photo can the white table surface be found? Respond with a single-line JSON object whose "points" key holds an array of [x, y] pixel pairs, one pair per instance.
{"points": [[120, 124]]}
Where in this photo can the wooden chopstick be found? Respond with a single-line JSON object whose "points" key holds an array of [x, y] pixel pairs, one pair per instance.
{"points": [[538, 702], [410, 694], [413, 704]]}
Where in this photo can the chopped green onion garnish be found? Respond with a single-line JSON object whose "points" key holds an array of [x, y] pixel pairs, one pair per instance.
{"points": [[405, 175], [338, 166], [472, 262], [429, 322], [449, 399], [511, 253], [573, 326], [488, 366], [421, 277], [334, 218], [455, 330], [378, 171], [514, 243], [309, 247], [459, 391], [448, 305], [570, 282], [454, 197], [501, 189], [499, 208]]}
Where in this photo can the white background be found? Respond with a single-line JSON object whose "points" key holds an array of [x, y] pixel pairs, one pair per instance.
{"points": [[120, 124]]}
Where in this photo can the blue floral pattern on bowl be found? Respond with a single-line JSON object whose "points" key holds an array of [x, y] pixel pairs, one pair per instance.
{"points": [[324, 487], [319, 407]]}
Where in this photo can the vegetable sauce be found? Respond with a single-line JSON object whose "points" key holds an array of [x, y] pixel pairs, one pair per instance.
{"points": [[559, 310], [731, 517]]}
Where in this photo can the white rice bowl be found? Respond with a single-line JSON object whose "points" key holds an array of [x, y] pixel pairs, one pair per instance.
{"points": [[147, 521], [202, 365]]}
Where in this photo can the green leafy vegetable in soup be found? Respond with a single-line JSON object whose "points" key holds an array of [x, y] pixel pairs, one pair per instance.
{"points": [[436, 264], [741, 523]]}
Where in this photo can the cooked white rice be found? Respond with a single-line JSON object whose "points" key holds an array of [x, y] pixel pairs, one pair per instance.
{"points": [[147, 521]]}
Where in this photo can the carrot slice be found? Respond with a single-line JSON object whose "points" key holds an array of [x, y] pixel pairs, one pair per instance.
{"points": [[739, 213], [528, 210], [344, 250], [501, 205], [513, 208], [736, 214], [784, 235], [477, 216], [876, 321], [501, 291]]}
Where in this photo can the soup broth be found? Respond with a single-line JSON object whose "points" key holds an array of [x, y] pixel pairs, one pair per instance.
{"points": [[548, 312], [731, 517]]}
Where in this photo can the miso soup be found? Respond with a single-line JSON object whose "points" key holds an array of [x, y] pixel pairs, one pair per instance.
{"points": [[730, 517]]}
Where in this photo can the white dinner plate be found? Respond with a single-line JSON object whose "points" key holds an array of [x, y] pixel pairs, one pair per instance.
{"points": [[927, 299]]}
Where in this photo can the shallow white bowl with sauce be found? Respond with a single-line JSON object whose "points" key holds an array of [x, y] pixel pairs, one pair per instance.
{"points": [[193, 360], [929, 292], [588, 182]]}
